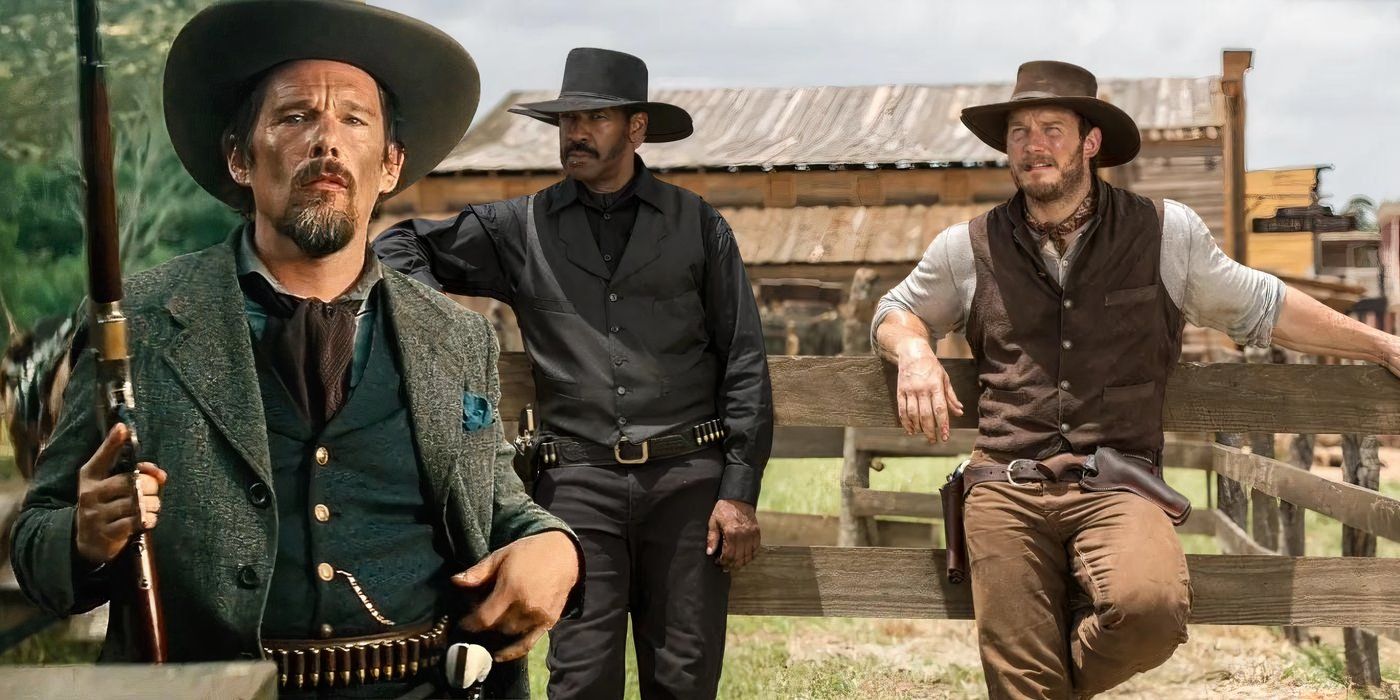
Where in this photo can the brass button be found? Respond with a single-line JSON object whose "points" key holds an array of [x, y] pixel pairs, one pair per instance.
{"points": [[1064, 384], [323, 514], [1066, 344], [1064, 428], [323, 456], [325, 571], [326, 631]]}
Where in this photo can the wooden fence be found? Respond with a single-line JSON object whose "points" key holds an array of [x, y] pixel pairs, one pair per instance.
{"points": [[1252, 584]]}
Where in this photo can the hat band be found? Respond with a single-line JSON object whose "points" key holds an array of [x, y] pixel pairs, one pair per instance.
{"points": [[595, 95], [1035, 95]]}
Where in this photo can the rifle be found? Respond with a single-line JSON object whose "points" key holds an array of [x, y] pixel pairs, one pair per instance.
{"points": [[107, 324]]}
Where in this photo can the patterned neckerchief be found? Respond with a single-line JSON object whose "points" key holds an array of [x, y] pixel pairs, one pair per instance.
{"points": [[1059, 231]]}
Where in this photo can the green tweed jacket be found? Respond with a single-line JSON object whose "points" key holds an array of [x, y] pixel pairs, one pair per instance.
{"points": [[200, 417]]}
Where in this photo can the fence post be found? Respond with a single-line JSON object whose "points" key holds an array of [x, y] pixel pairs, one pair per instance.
{"points": [[1264, 510], [1293, 539], [1361, 466], [1231, 499], [856, 531]]}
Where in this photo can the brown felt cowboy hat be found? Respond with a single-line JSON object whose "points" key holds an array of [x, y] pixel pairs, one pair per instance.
{"points": [[1056, 84], [599, 79], [217, 58]]}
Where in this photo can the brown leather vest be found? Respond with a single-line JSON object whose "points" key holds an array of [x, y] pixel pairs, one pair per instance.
{"points": [[1069, 369]]}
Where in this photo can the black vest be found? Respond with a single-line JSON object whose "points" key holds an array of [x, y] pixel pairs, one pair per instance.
{"points": [[623, 352], [377, 524], [1069, 369]]}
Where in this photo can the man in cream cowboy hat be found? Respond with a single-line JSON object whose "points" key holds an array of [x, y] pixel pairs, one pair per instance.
{"points": [[333, 489], [1073, 297]]}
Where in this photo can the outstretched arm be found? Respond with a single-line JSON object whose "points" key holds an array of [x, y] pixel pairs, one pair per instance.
{"points": [[1306, 325]]}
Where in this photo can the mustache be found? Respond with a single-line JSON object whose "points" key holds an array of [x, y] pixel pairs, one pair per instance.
{"points": [[323, 167], [580, 147]]}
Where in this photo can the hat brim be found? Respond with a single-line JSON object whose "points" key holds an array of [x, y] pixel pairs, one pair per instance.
{"points": [[217, 55], [1121, 138], [665, 122]]}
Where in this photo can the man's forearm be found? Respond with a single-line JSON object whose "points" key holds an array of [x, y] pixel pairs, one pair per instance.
{"points": [[1306, 325], [901, 332]]}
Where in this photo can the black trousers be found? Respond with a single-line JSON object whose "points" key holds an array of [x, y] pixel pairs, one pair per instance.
{"points": [[643, 534]]}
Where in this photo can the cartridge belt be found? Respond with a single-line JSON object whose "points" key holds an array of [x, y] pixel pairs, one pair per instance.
{"points": [[577, 452], [338, 663]]}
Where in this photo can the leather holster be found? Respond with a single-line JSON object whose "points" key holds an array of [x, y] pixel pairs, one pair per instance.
{"points": [[1110, 470], [953, 494]]}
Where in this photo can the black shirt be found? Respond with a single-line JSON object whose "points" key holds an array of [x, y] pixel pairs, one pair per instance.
{"points": [[611, 216], [660, 337]]}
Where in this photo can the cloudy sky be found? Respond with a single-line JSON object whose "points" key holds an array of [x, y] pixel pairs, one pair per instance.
{"points": [[1325, 88]]}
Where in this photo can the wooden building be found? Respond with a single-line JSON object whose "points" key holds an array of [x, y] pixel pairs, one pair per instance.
{"points": [[819, 182]]}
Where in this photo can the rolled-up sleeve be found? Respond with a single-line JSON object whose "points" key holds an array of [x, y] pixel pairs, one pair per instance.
{"points": [[939, 288], [1219, 292]]}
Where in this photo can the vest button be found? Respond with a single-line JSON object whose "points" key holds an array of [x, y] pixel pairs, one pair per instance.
{"points": [[614, 329], [607, 216], [1068, 304], [621, 390], [323, 455], [325, 571], [259, 495], [248, 577], [326, 631], [607, 258], [1064, 427], [1066, 344], [612, 297], [622, 420], [1064, 384], [323, 514], [618, 362]]}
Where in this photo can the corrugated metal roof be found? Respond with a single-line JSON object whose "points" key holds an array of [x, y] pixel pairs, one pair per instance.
{"points": [[820, 126]]}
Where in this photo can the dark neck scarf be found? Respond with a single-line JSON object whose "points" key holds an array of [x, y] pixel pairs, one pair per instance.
{"points": [[1058, 232], [309, 344]]}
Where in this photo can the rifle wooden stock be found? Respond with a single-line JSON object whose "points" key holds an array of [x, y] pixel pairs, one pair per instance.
{"points": [[107, 324]]}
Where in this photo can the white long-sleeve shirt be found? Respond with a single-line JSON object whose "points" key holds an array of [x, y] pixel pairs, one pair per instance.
{"points": [[1211, 289]]}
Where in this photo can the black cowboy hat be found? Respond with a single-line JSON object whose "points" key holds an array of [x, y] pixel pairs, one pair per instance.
{"points": [[1056, 84], [216, 59], [599, 79]]}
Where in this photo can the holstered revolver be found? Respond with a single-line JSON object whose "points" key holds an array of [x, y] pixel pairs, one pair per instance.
{"points": [[533, 450]]}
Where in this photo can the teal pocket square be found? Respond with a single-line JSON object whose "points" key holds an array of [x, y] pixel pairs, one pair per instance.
{"points": [[477, 412]]}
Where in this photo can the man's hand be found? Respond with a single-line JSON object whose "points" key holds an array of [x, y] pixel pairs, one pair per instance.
{"points": [[529, 582], [925, 392], [113, 507], [734, 533]]}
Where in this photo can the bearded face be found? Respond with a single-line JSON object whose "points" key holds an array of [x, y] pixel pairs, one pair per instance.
{"points": [[316, 219], [1048, 154]]}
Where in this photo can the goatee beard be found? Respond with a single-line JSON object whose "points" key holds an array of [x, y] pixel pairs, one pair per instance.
{"points": [[317, 227], [1072, 179]]}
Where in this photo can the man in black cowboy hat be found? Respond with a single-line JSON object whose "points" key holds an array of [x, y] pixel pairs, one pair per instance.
{"points": [[334, 490], [1073, 296], [651, 377]]}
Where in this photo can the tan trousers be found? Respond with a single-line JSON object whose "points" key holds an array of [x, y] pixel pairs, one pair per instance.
{"points": [[1074, 592]]}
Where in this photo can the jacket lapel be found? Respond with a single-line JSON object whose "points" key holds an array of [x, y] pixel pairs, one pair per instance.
{"points": [[213, 356], [433, 368]]}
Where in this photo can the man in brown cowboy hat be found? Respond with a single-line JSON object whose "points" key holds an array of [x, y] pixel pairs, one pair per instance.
{"points": [[1073, 296], [332, 490], [650, 372]]}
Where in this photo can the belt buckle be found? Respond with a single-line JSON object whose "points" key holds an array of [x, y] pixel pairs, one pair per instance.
{"points": [[1012, 480], [617, 451]]}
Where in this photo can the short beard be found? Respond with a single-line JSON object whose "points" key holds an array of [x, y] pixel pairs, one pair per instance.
{"points": [[1072, 178], [317, 227]]}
